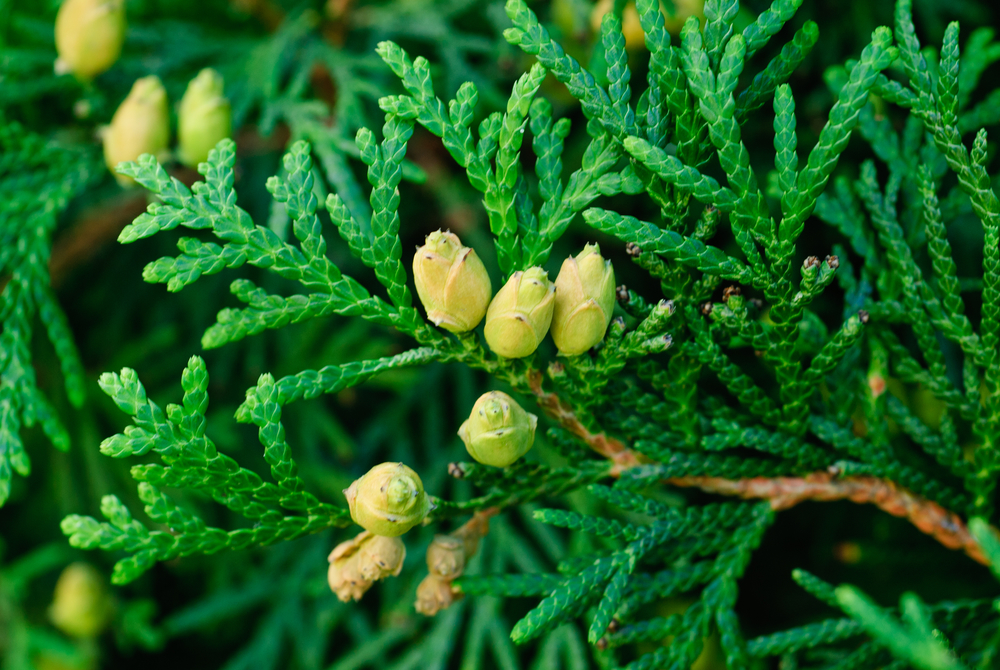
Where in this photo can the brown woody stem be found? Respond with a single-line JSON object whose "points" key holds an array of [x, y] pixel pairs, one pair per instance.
{"points": [[783, 492], [558, 410]]}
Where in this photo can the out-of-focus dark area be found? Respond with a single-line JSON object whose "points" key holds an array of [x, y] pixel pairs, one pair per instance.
{"points": [[308, 70]]}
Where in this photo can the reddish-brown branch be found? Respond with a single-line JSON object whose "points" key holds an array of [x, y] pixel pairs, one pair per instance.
{"points": [[558, 410], [473, 530], [783, 492], [96, 228]]}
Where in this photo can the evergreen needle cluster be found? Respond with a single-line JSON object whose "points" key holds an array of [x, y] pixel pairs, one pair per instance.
{"points": [[718, 371]]}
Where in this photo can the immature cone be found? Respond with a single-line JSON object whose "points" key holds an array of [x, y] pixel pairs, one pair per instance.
{"points": [[446, 559], [389, 500], [204, 118], [81, 606], [77, 657], [498, 431], [631, 26], [357, 563], [452, 282], [446, 556], [434, 594], [141, 125], [585, 300], [673, 18], [520, 314], [89, 36], [683, 10]]}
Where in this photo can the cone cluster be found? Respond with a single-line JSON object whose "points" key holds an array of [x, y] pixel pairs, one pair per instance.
{"points": [[89, 35], [387, 501], [447, 557], [455, 290], [141, 124]]}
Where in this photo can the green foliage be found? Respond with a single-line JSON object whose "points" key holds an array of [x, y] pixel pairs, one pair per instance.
{"points": [[615, 584], [38, 178], [740, 363], [191, 460], [913, 641]]}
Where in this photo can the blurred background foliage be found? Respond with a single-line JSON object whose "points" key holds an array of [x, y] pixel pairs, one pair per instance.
{"points": [[309, 70]]}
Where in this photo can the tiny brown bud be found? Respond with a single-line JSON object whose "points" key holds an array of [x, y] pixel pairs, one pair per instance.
{"points": [[863, 315], [602, 644], [847, 552], [810, 262], [876, 384], [833, 262], [729, 292], [614, 625], [759, 353], [633, 249], [456, 470], [706, 308], [622, 294]]}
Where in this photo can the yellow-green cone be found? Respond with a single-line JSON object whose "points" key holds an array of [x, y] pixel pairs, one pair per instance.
{"points": [[585, 301], [203, 119], [498, 430], [89, 36], [388, 500], [81, 606], [141, 125], [452, 283], [520, 314]]}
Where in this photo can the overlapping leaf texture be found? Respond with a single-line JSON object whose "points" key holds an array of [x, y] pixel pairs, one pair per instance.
{"points": [[279, 510]]}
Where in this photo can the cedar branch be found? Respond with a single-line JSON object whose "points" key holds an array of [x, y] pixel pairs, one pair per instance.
{"points": [[783, 492]]}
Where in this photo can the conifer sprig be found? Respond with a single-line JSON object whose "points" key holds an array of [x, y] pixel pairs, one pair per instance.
{"points": [[280, 510], [809, 420], [38, 179]]}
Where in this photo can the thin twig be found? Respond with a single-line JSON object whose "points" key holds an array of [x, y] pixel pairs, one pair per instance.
{"points": [[783, 492], [559, 410], [97, 227]]}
